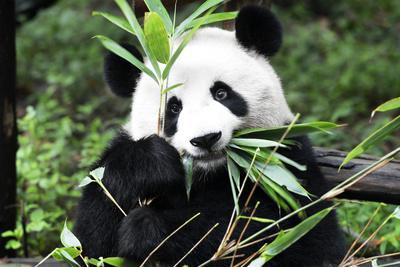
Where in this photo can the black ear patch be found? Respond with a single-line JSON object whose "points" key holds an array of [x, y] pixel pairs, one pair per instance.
{"points": [[258, 29], [120, 75]]}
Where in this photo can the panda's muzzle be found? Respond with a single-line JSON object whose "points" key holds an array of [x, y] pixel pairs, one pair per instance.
{"points": [[206, 141]]}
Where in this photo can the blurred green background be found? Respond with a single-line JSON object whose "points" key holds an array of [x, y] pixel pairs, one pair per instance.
{"points": [[340, 59]]}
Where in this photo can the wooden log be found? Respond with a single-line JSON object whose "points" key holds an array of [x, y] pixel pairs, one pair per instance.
{"points": [[382, 185]]}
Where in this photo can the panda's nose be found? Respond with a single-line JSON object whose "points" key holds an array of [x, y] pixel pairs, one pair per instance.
{"points": [[206, 141]]}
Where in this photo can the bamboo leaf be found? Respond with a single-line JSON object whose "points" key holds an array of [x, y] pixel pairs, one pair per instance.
{"points": [[234, 172], [285, 240], [98, 173], [119, 21], [277, 132], [256, 219], [372, 140], [213, 18], [166, 90], [232, 183], [262, 155], [290, 162], [133, 21], [158, 7], [200, 10], [252, 142], [396, 213], [283, 194], [61, 254], [271, 189], [276, 192], [114, 261], [87, 180], [156, 37], [68, 239], [242, 162], [389, 105], [125, 54], [73, 252], [282, 177]]}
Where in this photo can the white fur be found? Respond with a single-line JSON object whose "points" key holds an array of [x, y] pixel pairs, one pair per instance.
{"points": [[212, 55]]}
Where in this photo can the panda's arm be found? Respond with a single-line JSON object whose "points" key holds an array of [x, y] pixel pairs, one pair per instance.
{"points": [[145, 230], [144, 169]]}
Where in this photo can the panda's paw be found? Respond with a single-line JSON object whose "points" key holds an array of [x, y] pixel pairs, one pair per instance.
{"points": [[139, 233], [160, 168]]}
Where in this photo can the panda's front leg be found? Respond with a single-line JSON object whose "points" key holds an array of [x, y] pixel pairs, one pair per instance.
{"points": [[139, 233]]}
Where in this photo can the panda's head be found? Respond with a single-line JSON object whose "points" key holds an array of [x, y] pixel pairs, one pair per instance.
{"points": [[228, 84]]}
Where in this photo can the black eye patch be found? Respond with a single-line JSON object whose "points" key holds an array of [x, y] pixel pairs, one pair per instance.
{"points": [[233, 101], [171, 116]]}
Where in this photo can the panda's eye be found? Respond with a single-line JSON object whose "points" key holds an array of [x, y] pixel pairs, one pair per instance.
{"points": [[221, 94], [175, 108]]}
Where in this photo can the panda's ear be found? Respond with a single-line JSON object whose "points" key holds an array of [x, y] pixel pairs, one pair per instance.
{"points": [[120, 75], [258, 29]]}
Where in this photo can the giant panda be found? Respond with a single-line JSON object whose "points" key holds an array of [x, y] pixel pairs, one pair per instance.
{"points": [[228, 84]]}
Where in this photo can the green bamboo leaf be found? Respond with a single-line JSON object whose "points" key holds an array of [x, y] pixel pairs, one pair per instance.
{"points": [[396, 213], [93, 261], [285, 240], [242, 162], [68, 239], [276, 192], [283, 194], [98, 173], [282, 177], [253, 142], [166, 90], [158, 7], [125, 54], [372, 140], [207, 5], [271, 189], [213, 18], [182, 45], [277, 132], [234, 172], [262, 155], [232, 183], [389, 105], [290, 162], [156, 37], [114, 261], [133, 21], [119, 21], [66, 255], [256, 219], [277, 173], [87, 180]]}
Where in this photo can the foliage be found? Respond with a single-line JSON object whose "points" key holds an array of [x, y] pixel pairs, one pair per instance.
{"points": [[253, 150], [48, 172], [353, 217], [340, 65]]}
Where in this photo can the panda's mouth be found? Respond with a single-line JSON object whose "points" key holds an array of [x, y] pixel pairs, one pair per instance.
{"points": [[210, 156]]}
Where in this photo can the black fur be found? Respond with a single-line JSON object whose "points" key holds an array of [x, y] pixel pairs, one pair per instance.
{"points": [[151, 168], [258, 29], [120, 75], [234, 101]]}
